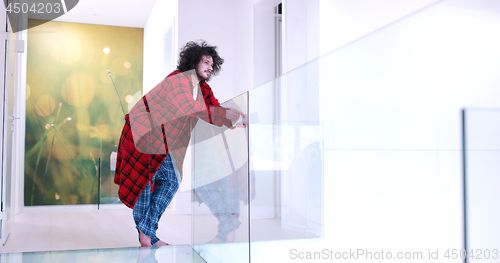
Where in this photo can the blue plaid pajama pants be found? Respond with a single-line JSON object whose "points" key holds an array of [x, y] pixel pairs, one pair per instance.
{"points": [[224, 203], [150, 205]]}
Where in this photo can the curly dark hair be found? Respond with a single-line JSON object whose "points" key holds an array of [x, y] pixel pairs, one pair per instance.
{"points": [[191, 54]]}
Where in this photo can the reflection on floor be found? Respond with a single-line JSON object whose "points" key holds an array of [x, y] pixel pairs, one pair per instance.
{"points": [[205, 228], [167, 254], [262, 251]]}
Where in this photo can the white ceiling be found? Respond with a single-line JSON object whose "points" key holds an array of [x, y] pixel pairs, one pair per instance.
{"points": [[126, 13]]}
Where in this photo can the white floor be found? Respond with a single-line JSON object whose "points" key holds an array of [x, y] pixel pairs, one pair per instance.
{"points": [[164, 254], [88, 230], [115, 228]]}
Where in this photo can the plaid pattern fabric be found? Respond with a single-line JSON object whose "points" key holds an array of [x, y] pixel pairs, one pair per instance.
{"points": [[239, 183], [240, 179], [150, 206], [158, 124], [224, 203]]}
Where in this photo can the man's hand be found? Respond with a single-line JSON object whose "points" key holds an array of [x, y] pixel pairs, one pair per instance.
{"points": [[238, 125], [233, 115]]}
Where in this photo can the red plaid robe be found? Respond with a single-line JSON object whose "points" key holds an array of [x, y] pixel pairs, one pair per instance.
{"points": [[159, 124]]}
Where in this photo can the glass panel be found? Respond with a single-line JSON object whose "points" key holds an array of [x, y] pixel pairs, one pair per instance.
{"points": [[482, 167], [389, 104], [92, 158], [286, 156], [220, 189], [108, 190], [53, 161]]}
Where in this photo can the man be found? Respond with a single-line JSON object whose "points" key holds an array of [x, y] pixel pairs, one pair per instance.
{"points": [[156, 134]]}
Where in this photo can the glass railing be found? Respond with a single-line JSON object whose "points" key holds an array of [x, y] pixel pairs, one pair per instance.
{"points": [[286, 145], [481, 155], [286, 153], [91, 159], [261, 185], [220, 177]]}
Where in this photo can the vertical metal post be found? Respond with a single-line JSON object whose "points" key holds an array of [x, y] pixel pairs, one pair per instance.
{"points": [[248, 178], [99, 184], [464, 181]]}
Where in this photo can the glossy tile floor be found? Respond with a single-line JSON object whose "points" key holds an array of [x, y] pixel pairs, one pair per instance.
{"points": [[95, 236], [116, 229], [167, 254], [110, 236], [88, 230]]}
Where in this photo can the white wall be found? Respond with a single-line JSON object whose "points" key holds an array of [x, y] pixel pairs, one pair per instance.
{"points": [[20, 71], [337, 23], [243, 51], [226, 24], [391, 106], [301, 29], [301, 44], [390, 99], [163, 16], [264, 41], [343, 21], [18, 182]]}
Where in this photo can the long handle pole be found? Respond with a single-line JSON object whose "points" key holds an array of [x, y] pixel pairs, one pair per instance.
{"points": [[116, 91]]}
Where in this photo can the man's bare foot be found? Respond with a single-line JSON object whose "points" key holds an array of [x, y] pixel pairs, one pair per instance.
{"points": [[160, 243], [144, 240], [215, 240], [231, 236]]}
